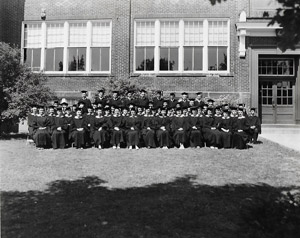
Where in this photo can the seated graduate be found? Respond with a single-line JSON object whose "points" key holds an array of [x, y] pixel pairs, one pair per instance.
{"points": [[41, 126], [99, 129], [89, 117], [179, 127], [30, 119], [132, 125], [78, 130], [225, 128], [51, 114], [163, 129], [195, 126], [69, 119], [217, 120], [240, 127], [116, 123], [148, 129], [255, 126], [59, 130], [208, 129]]}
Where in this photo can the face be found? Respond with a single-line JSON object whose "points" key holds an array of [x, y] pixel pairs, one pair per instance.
{"points": [[83, 95], [59, 112], [192, 103], [172, 96], [78, 113], [140, 109], [106, 112], [165, 104], [99, 112], [68, 112], [184, 96], [143, 94], [132, 112], [252, 112], [41, 111], [90, 110], [129, 95], [34, 110], [115, 95], [199, 96], [81, 105], [234, 112], [225, 114], [240, 113], [158, 95], [117, 111], [209, 112], [64, 106], [125, 111], [178, 113], [184, 111], [101, 94], [163, 112], [94, 106], [194, 112], [148, 110], [51, 110], [218, 112]]}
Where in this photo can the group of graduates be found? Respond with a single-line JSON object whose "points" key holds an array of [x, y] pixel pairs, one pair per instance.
{"points": [[138, 122]]}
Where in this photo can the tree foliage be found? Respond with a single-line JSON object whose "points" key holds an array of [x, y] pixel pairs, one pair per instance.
{"points": [[19, 87], [288, 18]]}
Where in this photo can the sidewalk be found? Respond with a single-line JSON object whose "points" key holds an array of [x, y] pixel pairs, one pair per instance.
{"points": [[285, 135]]}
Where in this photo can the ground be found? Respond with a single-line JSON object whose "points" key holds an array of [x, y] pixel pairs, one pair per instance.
{"points": [[149, 193]]}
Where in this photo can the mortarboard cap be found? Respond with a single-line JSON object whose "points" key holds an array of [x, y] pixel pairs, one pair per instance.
{"points": [[210, 100], [83, 91], [253, 109], [59, 109], [184, 93], [199, 93], [172, 94]]}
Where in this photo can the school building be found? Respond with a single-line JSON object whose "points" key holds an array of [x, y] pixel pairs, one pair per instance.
{"points": [[172, 45]]}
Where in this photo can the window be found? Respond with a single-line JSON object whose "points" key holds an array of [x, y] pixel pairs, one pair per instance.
{"points": [[55, 47], [145, 42], [101, 34], [77, 47], [276, 67], [32, 45], [68, 47], [169, 44], [183, 45]]}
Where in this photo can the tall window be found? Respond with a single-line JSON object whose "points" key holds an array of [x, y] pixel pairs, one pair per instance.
{"points": [[217, 45], [145, 42], [32, 45], [169, 44], [77, 47], [193, 45], [276, 67], [55, 44], [100, 51], [182, 46]]}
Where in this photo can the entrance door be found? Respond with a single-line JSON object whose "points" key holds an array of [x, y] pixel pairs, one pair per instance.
{"points": [[276, 99]]}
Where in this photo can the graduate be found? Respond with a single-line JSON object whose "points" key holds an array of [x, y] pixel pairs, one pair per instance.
{"points": [[129, 99], [255, 126], [158, 100], [115, 101], [86, 102], [199, 100], [172, 101], [240, 127], [69, 118], [163, 123], [51, 116], [116, 127], [30, 119], [64, 105], [225, 128], [179, 127], [148, 129], [78, 130], [195, 127], [41, 126], [99, 129], [100, 98], [217, 120], [89, 118], [208, 129], [59, 130], [184, 101], [142, 101], [132, 125]]}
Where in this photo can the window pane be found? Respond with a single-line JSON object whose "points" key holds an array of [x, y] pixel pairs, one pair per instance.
{"points": [[173, 59], [55, 34], [212, 58], [77, 59], [290, 101], [32, 58], [54, 59], [163, 59], [101, 34], [149, 58], [32, 35], [188, 58], [78, 34], [198, 58], [145, 33], [222, 58], [100, 59], [139, 58], [169, 31]]}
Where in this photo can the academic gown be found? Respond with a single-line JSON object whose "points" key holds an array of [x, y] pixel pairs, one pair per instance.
{"points": [[208, 133], [180, 136], [42, 136], [240, 139], [132, 127], [30, 121], [79, 137], [226, 137], [142, 102], [87, 103], [117, 136], [102, 136], [58, 136], [148, 131], [195, 134], [216, 124], [163, 131], [253, 133]]}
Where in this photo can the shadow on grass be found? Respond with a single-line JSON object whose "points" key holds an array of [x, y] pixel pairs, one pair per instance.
{"points": [[13, 136], [83, 208]]}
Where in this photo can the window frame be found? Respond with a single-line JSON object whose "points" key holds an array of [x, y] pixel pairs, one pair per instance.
{"points": [[277, 75]]}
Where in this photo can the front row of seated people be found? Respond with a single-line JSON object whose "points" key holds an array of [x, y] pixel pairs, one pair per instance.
{"points": [[145, 127]]}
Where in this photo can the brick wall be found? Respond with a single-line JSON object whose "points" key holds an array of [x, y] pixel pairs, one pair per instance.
{"points": [[11, 17], [122, 55]]}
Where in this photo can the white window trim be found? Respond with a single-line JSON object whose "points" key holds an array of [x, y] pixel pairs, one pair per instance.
{"points": [[66, 47], [181, 48]]}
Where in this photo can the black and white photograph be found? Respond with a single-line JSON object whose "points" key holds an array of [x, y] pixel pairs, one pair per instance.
{"points": [[150, 118]]}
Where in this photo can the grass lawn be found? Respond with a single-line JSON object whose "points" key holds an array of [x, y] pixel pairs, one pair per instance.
{"points": [[149, 193]]}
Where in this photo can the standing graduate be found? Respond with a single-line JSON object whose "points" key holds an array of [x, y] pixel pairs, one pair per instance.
{"points": [[255, 126], [195, 134], [163, 129], [172, 101], [225, 128], [99, 129], [184, 101], [132, 125], [142, 101], [30, 119], [100, 98], [158, 100], [240, 127], [180, 129], [199, 100], [129, 99], [117, 133], [78, 130], [59, 130], [41, 126], [115, 101], [148, 129], [86, 102]]}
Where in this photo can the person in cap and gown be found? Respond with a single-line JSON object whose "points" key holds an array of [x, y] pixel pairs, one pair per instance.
{"points": [[69, 118], [142, 101], [148, 128], [172, 101], [240, 127], [51, 114], [99, 129], [30, 119], [116, 127], [85, 100], [158, 100], [163, 129], [208, 129], [184, 101], [225, 128], [195, 134], [132, 125], [78, 130], [100, 98], [180, 126], [115, 101], [199, 100], [129, 99], [255, 126], [89, 117], [41, 126], [59, 130], [217, 120]]}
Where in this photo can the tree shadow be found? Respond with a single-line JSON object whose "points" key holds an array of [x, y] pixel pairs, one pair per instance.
{"points": [[13, 136], [85, 208]]}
